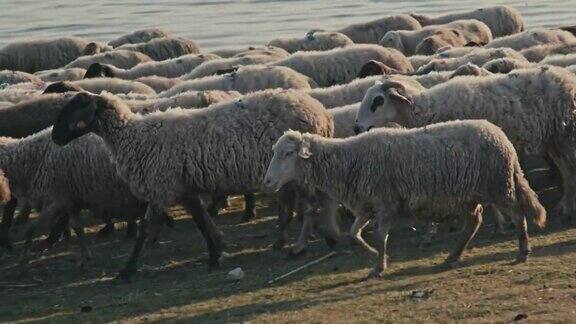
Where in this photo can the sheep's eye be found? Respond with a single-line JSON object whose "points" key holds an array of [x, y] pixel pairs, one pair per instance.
{"points": [[378, 101]]}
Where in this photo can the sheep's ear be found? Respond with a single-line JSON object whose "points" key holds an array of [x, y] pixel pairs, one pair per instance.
{"points": [[75, 118], [5, 194], [393, 94], [304, 151]]}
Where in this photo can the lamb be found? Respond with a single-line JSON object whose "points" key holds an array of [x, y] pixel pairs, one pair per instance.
{"points": [[189, 99], [506, 65], [71, 74], [220, 66], [140, 36], [312, 41], [502, 20], [15, 77], [535, 108], [406, 41], [41, 54], [439, 175], [61, 181], [372, 32], [342, 65], [119, 58], [478, 56], [171, 68], [533, 37], [178, 169], [539, 52], [160, 49], [246, 79], [98, 85]]}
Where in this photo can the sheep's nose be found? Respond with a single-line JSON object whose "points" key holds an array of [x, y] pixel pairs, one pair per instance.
{"points": [[357, 129]]}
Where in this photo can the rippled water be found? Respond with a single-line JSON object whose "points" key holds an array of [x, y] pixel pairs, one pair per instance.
{"points": [[228, 24]]}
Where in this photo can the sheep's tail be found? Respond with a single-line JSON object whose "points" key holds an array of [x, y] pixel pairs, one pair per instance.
{"points": [[527, 198]]}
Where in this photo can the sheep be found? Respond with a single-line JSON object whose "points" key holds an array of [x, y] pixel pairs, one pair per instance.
{"points": [[312, 41], [506, 65], [97, 85], [344, 117], [560, 60], [274, 51], [119, 58], [439, 175], [22, 91], [469, 69], [171, 68], [406, 41], [189, 99], [246, 79], [418, 61], [62, 181], [535, 108], [140, 36], [532, 37], [14, 77], [444, 38], [571, 29], [239, 134], [34, 55], [159, 83], [71, 74], [219, 66], [372, 32], [478, 56], [539, 52], [160, 49], [342, 65], [502, 20]]}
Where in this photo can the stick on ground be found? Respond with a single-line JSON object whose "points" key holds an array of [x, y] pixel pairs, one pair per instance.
{"points": [[307, 265]]}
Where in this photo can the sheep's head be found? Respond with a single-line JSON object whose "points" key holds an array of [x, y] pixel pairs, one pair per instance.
{"points": [[374, 67], [95, 48], [469, 69], [384, 103], [98, 70], [502, 65], [61, 87], [76, 118], [5, 193], [289, 151], [392, 39], [430, 45]]}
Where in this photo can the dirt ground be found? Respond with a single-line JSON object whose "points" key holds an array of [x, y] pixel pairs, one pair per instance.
{"points": [[174, 283]]}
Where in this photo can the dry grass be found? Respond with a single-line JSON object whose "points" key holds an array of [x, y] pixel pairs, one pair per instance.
{"points": [[175, 284]]}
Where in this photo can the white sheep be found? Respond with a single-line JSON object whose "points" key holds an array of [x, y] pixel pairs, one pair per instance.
{"points": [[119, 58], [538, 52], [39, 54], [535, 107], [342, 65], [55, 75], [406, 41], [165, 48], [533, 37], [140, 36], [430, 173], [226, 65], [97, 85], [156, 157], [371, 32], [188, 99], [171, 68], [560, 60], [10, 77], [502, 20], [159, 83], [246, 79], [479, 56], [312, 41]]}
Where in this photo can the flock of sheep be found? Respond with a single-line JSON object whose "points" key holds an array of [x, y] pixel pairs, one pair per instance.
{"points": [[403, 118]]}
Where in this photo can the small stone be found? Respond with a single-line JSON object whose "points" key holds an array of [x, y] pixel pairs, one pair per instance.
{"points": [[236, 274]]}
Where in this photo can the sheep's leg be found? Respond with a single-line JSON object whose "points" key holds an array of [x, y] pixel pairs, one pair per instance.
{"points": [[131, 229], [213, 237], [24, 213], [250, 208], [214, 206], [384, 225], [307, 226], [46, 216], [566, 163], [522, 226], [472, 223], [108, 228], [431, 231], [329, 226], [85, 253], [286, 204], [356, 233], [55, 232], [500, 220], [132, 265], [7, 219]]}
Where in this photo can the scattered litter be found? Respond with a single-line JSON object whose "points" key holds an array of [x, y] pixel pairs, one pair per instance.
{"points": [[309, 264], [236, 274], [421, 294]]}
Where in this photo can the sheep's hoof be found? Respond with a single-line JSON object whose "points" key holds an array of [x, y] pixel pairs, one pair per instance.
{"points": [[521, 258], [214, 264], [278, 245], [293, 254], [451, 263], [376, 273]]}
